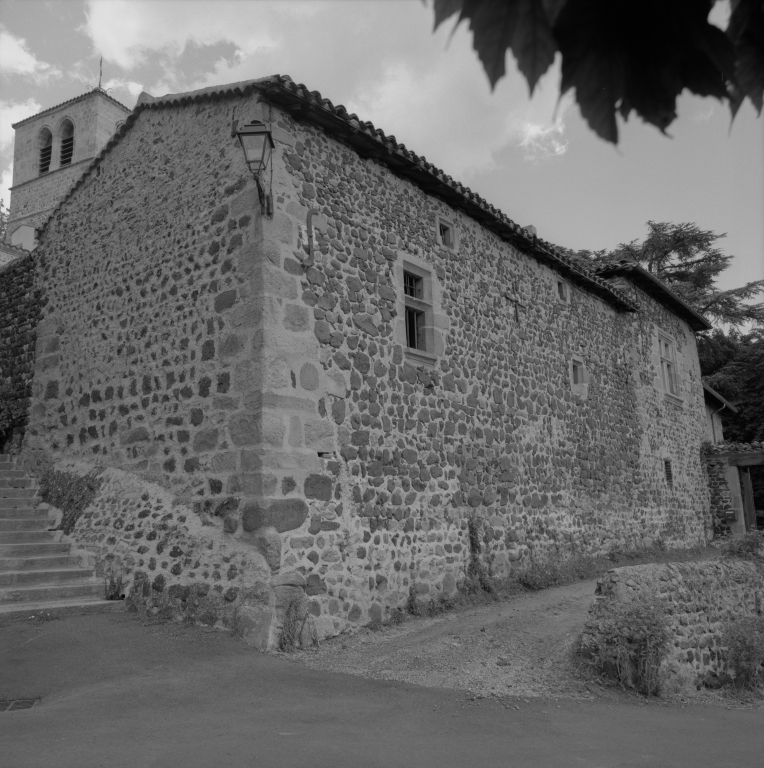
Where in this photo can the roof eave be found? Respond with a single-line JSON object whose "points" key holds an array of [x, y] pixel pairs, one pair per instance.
{"points": [[653, 285]]}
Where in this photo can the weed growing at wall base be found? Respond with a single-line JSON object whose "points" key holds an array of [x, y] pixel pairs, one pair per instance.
{"points": [[744, 639], [634, 643], [70, 493]]}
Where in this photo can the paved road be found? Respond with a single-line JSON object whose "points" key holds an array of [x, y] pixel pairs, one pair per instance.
{"points": [[118, 692]]}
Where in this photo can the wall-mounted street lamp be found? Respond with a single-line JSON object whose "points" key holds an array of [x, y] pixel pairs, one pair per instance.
{"points": [[257, 143]]}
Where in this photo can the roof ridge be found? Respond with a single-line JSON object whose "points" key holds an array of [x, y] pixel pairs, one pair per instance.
{"points": [[281, 89], [71, 101]]}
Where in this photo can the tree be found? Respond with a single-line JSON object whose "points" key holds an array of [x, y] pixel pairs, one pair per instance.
{"points": [[3, 220], [733, 364], [621, 56], [686, 258]]}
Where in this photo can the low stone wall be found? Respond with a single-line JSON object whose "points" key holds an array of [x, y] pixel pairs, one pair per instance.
{"points": [[701, 598], [175, 559]]}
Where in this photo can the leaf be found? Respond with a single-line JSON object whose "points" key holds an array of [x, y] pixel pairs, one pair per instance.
{"points": [[444, 9], [520, 25], [746, 32]]}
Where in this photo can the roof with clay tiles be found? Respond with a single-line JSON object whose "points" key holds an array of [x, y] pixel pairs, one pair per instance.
{"points": [[372, 142], [712, 394], [656, 288], [734, 448], [83, 96]]}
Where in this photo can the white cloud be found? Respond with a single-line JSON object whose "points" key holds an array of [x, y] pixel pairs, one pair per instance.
{"points": [[542, 140], [16, 59], [118, 83], [427, 89], [124, 31], [12, 112], [5, 183]]}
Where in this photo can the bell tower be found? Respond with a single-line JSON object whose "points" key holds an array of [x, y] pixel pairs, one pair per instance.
{"points": [[51, 150]]}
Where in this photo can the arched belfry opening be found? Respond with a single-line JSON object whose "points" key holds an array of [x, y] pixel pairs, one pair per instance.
{"points": [[66, 138], [45, 146]]}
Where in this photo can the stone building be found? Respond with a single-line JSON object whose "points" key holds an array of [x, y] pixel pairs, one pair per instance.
{"points": [[51, 151], [360, 398]]}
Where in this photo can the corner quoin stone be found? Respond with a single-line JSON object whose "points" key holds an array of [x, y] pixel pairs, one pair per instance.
{"points": [[282, 514]]}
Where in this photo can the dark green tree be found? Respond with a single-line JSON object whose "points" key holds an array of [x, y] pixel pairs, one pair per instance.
{"points": [[619, 57], [3, 220], [733, 364], [688, 260]]}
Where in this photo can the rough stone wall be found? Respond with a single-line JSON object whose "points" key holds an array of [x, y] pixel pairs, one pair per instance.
{"points": [[200, 346], [493, 429], [33, 197], [148, 353], [19, 312], [720, 495], [171, 560], [700, 598]]}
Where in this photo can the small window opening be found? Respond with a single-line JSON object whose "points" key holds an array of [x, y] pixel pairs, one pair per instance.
{"points": [[46, 150], [67, 143], [578, 373], [446, 234], [414, 328], [561, 290], [669, 473], [412, 285], [668, 367]]}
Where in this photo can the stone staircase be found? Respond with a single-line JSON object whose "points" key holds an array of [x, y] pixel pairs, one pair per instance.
{"points": [[38, 572]]}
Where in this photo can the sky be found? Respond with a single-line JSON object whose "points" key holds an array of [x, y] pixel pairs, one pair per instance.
{"points": [[534, 158]]}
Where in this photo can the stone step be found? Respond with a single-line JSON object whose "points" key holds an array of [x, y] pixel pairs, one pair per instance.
{"points": [[54, 609], [49, 577], [9, 474], [39, 593], [17, 493], [16, 482], [41, 562], [27, 503], [26, 537], [24, 524], [33, 513], [35, 549]]}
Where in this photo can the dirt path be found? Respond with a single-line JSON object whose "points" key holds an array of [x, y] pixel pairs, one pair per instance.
{"points": [[519, 647]]}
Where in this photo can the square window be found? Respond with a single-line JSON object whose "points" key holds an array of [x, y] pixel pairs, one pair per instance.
{"points": [[445, 233], [412, 285]]}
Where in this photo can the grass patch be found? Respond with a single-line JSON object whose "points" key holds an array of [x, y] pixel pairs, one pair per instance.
{"points": [[556, 571], [633, 643], [748, 547], [744, 638]]}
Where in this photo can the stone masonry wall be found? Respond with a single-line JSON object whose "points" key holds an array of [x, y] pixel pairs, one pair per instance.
{"points": [[721, 497], [205, 348], [19, 311], [493, 428], [148, 347], [700, 598]]}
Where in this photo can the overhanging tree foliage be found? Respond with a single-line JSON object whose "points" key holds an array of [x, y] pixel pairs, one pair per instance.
{"points": [[622, 55]]}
